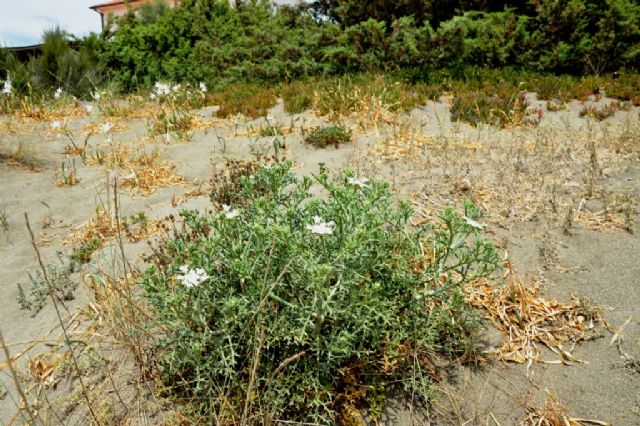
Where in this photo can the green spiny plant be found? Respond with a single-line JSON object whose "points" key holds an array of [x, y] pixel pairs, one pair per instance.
{"points": [[279, 307]]}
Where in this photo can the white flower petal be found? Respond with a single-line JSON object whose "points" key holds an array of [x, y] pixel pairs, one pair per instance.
{"points": [[474, 223], [358, 182]]}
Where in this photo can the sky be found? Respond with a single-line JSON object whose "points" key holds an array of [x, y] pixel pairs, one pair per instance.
{"points": [[23, 21]]}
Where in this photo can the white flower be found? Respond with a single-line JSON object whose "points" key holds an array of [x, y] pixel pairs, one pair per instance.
{"points": [[106, 127], [161, 89], [230, 213], [203, 87], [362, 183], [58, 93], [176, 87], [56, 125], [88, 108], [192, 277], [474, 223], [320, 227], [7, 86], [96, 95]]}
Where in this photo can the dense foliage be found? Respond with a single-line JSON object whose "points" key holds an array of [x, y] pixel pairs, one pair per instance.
{"points": [[289, 306], [210, 41], [64, 62]]}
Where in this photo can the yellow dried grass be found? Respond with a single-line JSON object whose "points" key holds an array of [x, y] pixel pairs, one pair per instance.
{"points": [[555, 414], [529, 320]]}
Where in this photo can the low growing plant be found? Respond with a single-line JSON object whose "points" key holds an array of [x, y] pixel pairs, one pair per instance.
{"points": [[304, 309], [83, 253], [35, 297], [334, 135]]}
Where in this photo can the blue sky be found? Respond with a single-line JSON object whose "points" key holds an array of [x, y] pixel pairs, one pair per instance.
{"points": [[23, 21]]}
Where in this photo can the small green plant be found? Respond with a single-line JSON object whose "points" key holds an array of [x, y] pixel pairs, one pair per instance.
{"points": [[68, 175], [271, 130], [298, 308], [324, 136], [83, 253], [35, 297]]}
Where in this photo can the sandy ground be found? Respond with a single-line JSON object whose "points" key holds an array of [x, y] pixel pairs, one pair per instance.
{"points": [[429, 160]]}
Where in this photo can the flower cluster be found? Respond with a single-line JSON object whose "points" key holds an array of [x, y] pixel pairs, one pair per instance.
{"points": [[7, 87], [192, 277], [319, 227], [58, 93], [161, 89], [203, 87]]}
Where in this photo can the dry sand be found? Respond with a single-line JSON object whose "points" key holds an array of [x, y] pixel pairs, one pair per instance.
{"points": [[443, 164]]}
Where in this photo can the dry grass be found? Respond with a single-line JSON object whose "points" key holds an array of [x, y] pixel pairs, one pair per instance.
{"points": [[555, 414], [517, 176], [103, 226], [140, 172], [529, 321], [44, 113]]}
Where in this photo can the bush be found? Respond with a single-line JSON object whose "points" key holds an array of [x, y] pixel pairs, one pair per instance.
{"points": [[257, 42], [322, 137], [292, 307]]}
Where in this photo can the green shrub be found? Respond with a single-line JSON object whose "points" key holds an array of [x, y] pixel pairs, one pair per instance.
{"points": [[322, 137], [277, 308]]}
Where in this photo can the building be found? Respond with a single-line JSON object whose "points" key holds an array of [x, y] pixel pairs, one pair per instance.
{"points": [[114, 8]]}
